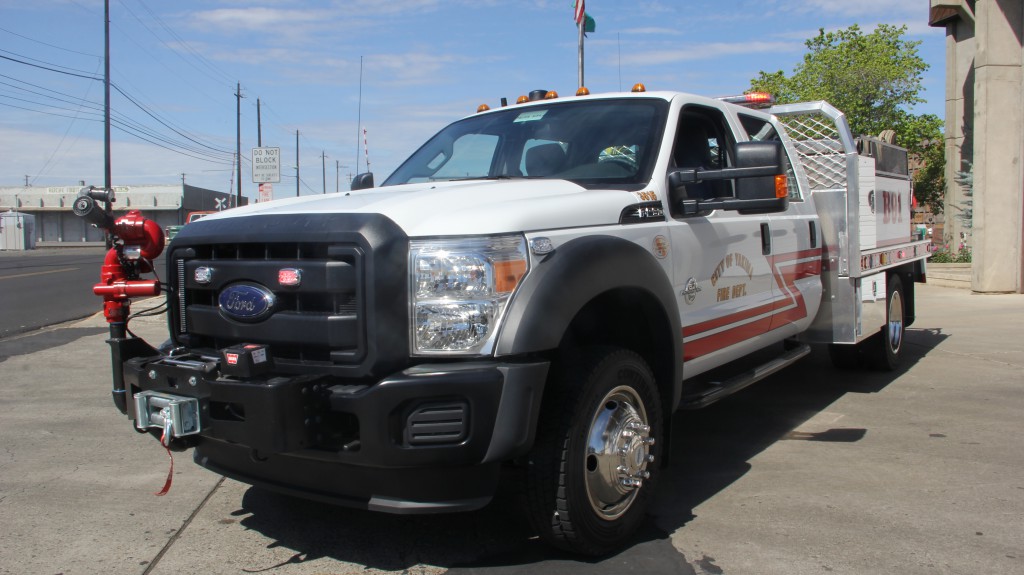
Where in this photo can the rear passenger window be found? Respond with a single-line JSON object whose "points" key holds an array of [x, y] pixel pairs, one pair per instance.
{"points": [[760, 130]]}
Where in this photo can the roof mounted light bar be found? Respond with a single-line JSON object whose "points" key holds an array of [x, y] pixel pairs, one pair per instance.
{"points": [[751, 100]]}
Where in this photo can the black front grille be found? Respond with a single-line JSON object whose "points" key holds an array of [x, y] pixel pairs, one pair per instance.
{"points": [[326, 324], [318, 321]]}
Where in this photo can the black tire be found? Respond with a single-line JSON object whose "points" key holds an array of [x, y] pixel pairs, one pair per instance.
{"points": [[887, 346], [591, 474]]}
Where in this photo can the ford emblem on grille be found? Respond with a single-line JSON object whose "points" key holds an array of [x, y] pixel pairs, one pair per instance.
{"points": [[246, 302]]}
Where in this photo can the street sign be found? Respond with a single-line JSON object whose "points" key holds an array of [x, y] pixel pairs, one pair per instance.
{"points": [[266, 192], [266, 165]]}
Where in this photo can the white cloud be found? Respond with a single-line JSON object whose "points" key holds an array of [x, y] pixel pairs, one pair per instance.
{"points": [[708, 51], [653, 31], [257, 19], [867, 7]]}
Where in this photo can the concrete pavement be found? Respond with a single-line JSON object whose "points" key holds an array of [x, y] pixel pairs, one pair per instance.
{"points": [[811, 471]]}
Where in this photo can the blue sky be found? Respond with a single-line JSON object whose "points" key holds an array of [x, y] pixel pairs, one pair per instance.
{"points": [[425, 63]]}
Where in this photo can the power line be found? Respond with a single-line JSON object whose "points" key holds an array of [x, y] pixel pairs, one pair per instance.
{"points": [[34, 86], [131, 99], [169, 69], [82, 75], [81, 101], [198, 55], [39, 103], [165, 124], [24, 57], [50, 45], [64, 136], [205, 159], [45, 112], [175, 52], [122, 123], [125, 120], [127, 126], [40, 99]]}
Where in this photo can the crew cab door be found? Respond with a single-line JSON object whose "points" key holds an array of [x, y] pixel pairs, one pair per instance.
{"points": [[722, 273], [794, 247]]}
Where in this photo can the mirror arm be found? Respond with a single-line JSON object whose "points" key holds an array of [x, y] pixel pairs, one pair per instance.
{"points": [[684, 176]]}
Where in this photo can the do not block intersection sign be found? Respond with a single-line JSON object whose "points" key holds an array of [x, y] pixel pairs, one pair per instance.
{"points": [[266, 165]]}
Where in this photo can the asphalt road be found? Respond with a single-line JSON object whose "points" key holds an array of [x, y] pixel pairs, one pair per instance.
{"points": [[812, 471], [48, 286]]}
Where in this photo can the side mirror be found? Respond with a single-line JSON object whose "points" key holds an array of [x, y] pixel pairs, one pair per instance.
{"points": [[362, 181], [764, 188], [759, 177]]}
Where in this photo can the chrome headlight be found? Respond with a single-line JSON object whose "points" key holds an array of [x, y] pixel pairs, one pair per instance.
{"points": [[459, 290]]}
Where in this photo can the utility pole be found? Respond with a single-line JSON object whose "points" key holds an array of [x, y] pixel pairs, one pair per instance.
{"points": [[183, 179], [106, 95], [259, 126], [108, 238], [297, 179], [238, 140], [323, 168], [337, 176]]}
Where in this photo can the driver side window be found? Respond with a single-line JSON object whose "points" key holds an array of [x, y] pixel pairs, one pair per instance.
{"points": [[704, 143]]}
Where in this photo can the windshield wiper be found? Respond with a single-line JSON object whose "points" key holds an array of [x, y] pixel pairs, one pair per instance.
{"points": [[501, 177]]}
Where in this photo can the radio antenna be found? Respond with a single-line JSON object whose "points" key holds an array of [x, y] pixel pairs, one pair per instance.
{"points": [[359, 113]]}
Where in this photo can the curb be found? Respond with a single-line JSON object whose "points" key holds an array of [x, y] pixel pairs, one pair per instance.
{"points": [[949, 275]]}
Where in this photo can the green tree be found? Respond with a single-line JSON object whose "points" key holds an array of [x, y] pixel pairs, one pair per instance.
{"points": [[874, 79], [930, 180]]}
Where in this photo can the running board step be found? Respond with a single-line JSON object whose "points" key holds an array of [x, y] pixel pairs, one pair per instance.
{"points": [[718, 390]]}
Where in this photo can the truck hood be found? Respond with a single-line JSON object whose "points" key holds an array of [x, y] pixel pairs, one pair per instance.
{"points": [[464, 207]]}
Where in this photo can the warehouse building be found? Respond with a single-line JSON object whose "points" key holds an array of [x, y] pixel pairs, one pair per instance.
{"points": [[55, 223]]}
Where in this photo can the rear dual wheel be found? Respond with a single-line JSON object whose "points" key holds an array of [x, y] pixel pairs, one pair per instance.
{"points": [[591, 474], [884, 350], [888, 345]]}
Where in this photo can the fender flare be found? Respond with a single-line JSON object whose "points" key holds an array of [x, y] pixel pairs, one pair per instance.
{"points": [[563, 282]]}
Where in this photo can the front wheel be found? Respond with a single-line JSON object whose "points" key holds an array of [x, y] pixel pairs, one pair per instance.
{"points": [[591, 474]]}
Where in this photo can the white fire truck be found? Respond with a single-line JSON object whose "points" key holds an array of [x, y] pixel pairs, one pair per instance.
{"points": [[537, 288]]}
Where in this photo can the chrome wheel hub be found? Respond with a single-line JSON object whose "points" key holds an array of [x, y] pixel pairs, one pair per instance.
{"points": [[618, 452], [895, 325]]}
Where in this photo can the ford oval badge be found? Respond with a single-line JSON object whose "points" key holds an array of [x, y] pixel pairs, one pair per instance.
{"points": [[246, 302]]}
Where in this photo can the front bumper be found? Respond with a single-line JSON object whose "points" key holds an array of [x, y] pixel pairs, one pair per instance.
{"points": [[428, 438]]}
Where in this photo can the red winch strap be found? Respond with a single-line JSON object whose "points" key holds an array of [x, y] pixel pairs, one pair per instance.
{"points": [[170, 472]]}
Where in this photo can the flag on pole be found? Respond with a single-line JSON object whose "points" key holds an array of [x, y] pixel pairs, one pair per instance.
{"points": [[589, 25], [580, 11]]}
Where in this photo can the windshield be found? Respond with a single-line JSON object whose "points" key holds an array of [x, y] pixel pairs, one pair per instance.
{"points": [[596, 143]]}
